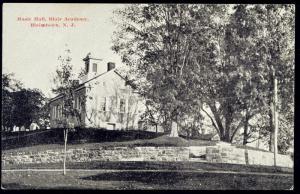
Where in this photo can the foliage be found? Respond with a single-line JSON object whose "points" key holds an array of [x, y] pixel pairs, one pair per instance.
{"points": [[27, 106], [65, 83], [21, 106], [155, 41], [184, 56]]}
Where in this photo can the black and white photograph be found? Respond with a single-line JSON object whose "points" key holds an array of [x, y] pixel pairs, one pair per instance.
{"points": [[147, 96]]}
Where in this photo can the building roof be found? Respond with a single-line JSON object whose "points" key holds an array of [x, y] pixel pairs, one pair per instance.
{"points": [[82, 84]]}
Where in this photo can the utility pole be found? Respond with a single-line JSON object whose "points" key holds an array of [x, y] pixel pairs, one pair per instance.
{"points": [[275, 118], [65, 150]]}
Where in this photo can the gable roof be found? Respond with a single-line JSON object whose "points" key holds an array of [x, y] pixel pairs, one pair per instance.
{"points": [[96, 77]]}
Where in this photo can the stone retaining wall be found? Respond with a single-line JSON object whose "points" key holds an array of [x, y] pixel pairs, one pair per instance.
{"points": [[214, 154], [233, 155], [100, 154]]}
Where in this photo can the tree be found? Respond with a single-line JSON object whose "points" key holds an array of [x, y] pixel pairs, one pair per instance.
{"points": [[187, 56], [271, 32], [27, 106], [9, 85], [243, 66], [64, 86], [44, 114], [21, 106], [279, 53], [155, 41]]}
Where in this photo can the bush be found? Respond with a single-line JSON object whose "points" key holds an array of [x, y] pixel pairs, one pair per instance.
{"points": [[80, 135]]}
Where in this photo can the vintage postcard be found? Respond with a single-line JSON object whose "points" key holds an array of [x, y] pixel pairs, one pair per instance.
{"points": [[148, 96]]}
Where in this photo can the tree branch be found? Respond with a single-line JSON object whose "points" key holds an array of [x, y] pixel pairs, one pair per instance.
{"points": [[212, 121]]}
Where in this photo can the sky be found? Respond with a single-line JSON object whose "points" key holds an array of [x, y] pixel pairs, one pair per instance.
{"points": [[31, 53]]}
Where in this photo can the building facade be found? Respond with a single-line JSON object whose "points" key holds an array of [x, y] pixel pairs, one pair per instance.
{"points": [[103, 99]]}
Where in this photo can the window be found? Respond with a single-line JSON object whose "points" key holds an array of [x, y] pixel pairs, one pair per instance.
{"points": [[56, 111], [121, 110], [77, 103], [122, 105], [121, 117], [61, 110], [59, 107], [103, 104], [113, 102], [94, 67], [53, 112]]}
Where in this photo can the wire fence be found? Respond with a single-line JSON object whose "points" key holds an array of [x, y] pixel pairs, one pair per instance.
{"points": [[13, 140]]}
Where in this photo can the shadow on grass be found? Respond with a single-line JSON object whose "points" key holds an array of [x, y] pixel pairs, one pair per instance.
{"points": [[207, 181], [154, 165], [15, 186], [143, 177]]}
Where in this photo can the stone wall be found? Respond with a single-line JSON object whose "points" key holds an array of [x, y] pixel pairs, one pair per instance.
{"points": [[100, 154], [213, 154], [233, 155]]}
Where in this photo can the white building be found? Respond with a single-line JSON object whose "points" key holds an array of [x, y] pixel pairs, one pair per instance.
{"points": [[104, 100]]}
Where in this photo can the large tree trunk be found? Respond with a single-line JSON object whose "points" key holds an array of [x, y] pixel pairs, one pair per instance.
{"points": [[226, 136], [174, 129], [227, 130]]}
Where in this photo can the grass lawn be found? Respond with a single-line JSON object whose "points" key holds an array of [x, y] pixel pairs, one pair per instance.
{"points": [[143, 180], [134, 179], [154, 165], [163, 140]]}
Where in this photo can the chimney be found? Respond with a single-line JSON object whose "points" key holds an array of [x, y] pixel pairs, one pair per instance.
{"points": [[75, 82], [110, 66]]}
